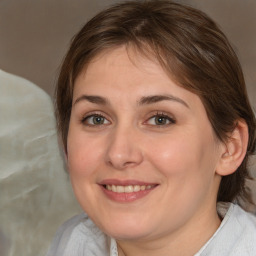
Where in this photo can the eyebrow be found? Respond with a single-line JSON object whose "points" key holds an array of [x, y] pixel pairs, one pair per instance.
{"points": [[157, 98], [93, 99], [146, 100]]}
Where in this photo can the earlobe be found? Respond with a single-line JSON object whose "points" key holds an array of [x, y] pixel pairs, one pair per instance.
{"points": [[234, 150]]}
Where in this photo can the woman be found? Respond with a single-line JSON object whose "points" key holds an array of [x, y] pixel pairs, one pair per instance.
{"points": [[157, 128]]}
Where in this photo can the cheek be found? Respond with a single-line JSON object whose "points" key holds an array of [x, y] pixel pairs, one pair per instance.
{"points": [[83, 163], [175, 154], [183, 158], [82, 160]]}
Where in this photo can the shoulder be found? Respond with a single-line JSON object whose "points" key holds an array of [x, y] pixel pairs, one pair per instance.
{"points": [[243, 225], [64, 233], [244, 217], [68, 226], [79, 236], [236, 236]]}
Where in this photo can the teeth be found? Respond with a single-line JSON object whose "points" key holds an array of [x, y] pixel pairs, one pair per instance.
{"points": [[120, 189], [128, 189], [136, 188], [114, 188]]}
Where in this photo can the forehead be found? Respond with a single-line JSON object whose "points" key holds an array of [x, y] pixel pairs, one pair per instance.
{"points": [[111, 66], [125, 76], [125, 54], [138, 55]]}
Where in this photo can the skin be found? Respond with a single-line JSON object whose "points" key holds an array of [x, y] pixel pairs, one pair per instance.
{"points": [[181, 155]]}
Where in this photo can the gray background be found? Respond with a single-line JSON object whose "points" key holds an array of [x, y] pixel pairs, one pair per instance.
{"points": [[35, 34]]}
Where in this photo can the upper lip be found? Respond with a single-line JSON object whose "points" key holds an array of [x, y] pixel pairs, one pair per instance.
{"points": [[125, 182]]}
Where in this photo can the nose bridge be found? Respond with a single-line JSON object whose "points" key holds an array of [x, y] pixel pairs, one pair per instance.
{"points": [[122, 150]]}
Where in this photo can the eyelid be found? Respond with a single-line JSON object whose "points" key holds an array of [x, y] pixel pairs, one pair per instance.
{"points": [[91, 114], [162, 114]]}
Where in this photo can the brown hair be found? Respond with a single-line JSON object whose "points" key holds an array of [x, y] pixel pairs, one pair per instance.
{"points": [[189, 46]]}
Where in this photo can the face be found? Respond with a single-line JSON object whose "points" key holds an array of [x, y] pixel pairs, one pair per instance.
{"points": [[141, 152]]}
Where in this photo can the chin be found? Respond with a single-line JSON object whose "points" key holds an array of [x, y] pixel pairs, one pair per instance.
{"points": [[121, 229], [128, 234]]}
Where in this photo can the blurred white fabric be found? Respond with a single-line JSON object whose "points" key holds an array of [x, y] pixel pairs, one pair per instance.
{"points": [[35, 195]]}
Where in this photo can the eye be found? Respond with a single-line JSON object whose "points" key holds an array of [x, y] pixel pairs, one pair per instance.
{"points": [[94, 120], [160, 120]]}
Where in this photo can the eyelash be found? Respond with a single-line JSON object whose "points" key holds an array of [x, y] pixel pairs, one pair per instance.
{"points": [[163, 115], [91, 115]]}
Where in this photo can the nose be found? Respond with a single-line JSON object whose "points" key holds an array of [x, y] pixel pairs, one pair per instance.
{"points": [[124, 150]]}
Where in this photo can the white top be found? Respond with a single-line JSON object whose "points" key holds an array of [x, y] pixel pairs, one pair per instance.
{"points": [[236, 236]]}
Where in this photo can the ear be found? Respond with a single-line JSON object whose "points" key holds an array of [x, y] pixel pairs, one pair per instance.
{"points": [[234, 150]]}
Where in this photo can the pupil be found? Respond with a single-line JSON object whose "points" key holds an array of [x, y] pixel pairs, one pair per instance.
{"points": [[160, 120], [98, 120]]}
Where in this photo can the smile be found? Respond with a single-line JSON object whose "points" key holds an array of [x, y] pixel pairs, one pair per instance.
{"points": [[126, 191], [129, 188]]}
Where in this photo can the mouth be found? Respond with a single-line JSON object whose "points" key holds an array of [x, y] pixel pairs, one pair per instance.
{"points": [[128, 189]]}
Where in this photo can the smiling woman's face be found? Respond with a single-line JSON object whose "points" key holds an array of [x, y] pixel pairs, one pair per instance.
{"points": [[142, 154]]}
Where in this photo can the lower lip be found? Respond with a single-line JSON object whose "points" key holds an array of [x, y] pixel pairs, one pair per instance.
{"points": [[126, 197]]}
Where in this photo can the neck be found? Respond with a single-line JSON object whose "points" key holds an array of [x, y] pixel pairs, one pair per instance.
{"points": [[186, 241]]}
